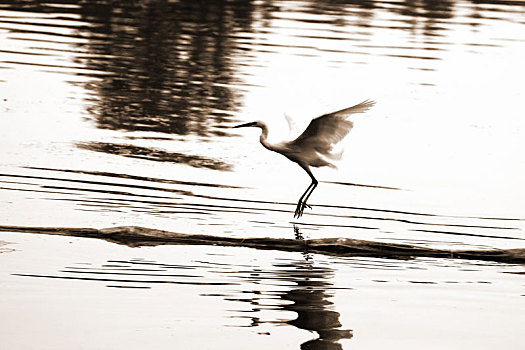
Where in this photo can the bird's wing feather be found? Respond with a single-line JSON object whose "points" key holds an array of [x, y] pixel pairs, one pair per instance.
{"points": [[325, 131], [359, 108]]}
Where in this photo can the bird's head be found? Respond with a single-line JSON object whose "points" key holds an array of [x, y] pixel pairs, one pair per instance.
{"points": [[256, 124]]}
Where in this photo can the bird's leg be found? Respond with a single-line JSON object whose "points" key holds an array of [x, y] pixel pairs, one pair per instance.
{"points": [[314, 185], [302, 201]]}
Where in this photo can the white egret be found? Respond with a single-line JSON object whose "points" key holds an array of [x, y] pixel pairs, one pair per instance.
{"points": [[314, 147]]}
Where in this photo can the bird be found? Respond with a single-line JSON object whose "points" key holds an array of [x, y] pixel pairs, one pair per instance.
{"points": [[314, 147]]}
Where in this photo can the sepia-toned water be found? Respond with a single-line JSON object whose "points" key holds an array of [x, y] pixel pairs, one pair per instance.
{"points": [[119, 113]]}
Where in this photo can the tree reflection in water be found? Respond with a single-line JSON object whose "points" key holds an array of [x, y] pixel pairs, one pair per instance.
{"points": [[167, 65]]}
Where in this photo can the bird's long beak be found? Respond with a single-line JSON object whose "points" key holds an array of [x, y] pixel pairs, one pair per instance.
{"points": [[245, 125]]}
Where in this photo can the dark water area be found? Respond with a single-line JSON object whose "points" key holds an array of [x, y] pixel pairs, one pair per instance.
{"points": [[133, 236], [119, 114]]}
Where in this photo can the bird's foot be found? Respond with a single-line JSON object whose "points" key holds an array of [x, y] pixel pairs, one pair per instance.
{"points": [[300, 209]]}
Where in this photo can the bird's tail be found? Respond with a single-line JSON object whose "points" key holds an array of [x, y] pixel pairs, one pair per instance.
{"points": [[326, 159], [335, 155]]}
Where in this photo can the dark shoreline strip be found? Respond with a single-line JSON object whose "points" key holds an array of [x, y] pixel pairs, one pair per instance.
{"points": [[134, 236]]}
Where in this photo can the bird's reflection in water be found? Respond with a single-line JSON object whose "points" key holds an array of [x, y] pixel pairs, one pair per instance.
{"points": [[298, 234], [310, 301], [307, 291]]}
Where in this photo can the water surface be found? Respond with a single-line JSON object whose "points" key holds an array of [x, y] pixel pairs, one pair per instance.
{"points": [[102, 295], [119, 114]]}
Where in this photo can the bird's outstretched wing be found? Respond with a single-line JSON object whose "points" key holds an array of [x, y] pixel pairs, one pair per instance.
{"points": [[325, 131]]}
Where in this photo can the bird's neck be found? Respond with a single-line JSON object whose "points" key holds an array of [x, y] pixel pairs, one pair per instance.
{"points": [[264, 137]]}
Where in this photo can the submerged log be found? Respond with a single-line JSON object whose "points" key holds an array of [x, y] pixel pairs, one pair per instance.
{"points": [[135, 236]]}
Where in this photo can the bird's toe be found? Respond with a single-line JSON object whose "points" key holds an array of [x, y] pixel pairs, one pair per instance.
{"points": [[298, 210]]}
